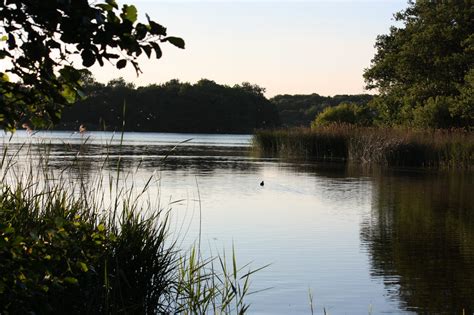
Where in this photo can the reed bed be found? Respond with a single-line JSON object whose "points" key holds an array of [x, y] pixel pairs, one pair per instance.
{"points": [[97, 246], [370, 145]]}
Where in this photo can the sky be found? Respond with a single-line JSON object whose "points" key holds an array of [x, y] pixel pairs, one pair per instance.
{"points": [[285, 46]]}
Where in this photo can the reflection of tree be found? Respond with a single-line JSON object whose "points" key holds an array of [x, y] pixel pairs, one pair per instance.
{"points": [[420, 239], [72, 159], [82, 161], [326, 169], [209, 165]]}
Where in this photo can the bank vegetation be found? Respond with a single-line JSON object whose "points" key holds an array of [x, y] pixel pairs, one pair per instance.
{"points": [[391, 146]]}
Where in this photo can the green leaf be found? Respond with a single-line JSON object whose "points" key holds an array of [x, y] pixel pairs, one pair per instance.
{"points": [[70, 74], [22, 277], [88, 58], [121, 63], [140, 31], [8, 230], [104, 6], [11, 42], [157, 29], [147, 50], [157, 49], [178, 42], [4, 53], [129, 12], [111, 56], [4, 77], [3, 38], [69, 95], [99, 59], [71, 280], [112, 18], [101, 227], [112, 3], [83, 266]]}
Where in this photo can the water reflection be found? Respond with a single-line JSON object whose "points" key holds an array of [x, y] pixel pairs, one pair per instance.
{"points": [[398, 240], [83, 156], [420, 239]]}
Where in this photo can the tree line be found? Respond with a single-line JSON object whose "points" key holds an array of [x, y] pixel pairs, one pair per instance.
{"points": [[422, 72], [174, 106], [205, 106]]}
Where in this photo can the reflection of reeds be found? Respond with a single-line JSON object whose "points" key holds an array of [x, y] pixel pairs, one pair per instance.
{"points": [[386, 146], [99, 246]]}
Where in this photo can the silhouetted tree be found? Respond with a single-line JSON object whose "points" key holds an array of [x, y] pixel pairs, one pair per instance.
{"points": [[174, 107], [424, 69], [40, 37]]}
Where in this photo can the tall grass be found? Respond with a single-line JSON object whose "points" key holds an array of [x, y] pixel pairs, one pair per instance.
{"points": [[303, 142], [99, 245], [386, 146]]}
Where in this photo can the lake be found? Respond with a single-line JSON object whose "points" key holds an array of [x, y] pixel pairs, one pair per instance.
{"points": [[379, 241]]}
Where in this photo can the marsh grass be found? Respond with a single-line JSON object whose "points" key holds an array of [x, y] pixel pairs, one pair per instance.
{"points": [[364, 145], [214, 286], [304, 142], [100, 244]]}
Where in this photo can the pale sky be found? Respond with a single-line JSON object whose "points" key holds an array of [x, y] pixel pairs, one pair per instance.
{"points": [[287, 47]]}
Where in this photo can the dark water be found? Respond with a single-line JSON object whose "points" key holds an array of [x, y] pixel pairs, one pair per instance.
{"points": [[380, 241]]}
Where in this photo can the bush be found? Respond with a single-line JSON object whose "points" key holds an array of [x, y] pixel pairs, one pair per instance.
{"points": [[57, 256], [345, 113], [65, 249], [434, 114]]}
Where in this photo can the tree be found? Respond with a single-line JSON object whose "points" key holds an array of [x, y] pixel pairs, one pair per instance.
{"points": [[39, 40], [300, 110], [347, 113], [426, 59], [174, 106], [252, 88]]}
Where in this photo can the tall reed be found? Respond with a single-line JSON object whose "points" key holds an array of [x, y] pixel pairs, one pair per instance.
{"points": [[303, 142], [100, 244], [386, 146]]}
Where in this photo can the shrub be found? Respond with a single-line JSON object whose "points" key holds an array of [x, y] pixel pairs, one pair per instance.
{"points": [[345, 113], [434, 114], [64, 248]]}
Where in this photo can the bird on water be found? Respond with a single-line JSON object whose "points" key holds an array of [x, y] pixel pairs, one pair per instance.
{"points": [[262, 183]]}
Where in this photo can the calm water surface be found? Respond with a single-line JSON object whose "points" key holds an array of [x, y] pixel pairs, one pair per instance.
{"points": [[390, 241]]}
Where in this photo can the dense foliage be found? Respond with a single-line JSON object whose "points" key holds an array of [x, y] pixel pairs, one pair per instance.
{"points": [[39, 39], [300, 110], [432, 205], [347, 113], [172, 107], [76, 243], [57, 257], [424, 70]]}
